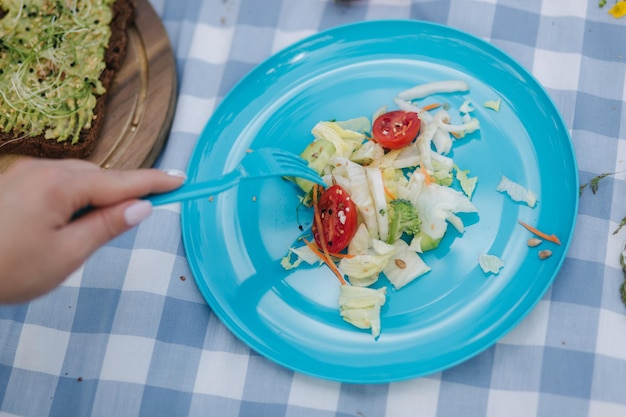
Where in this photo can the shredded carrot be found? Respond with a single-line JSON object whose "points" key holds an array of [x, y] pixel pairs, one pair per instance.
{"points": [[318, 218], [326, 260], [431, 106], [333, 254], [342, 255], [551, 238], [324, 255], [389, 193], [427, 177]]}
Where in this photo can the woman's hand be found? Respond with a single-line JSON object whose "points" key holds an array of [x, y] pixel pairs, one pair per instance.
{"points": [[40, 244]]}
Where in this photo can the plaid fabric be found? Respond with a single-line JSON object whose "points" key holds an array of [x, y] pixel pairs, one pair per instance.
{"points": [[129, 334]]}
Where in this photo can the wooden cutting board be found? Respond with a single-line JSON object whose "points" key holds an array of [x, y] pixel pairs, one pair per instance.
{"points": [[141, 102]]}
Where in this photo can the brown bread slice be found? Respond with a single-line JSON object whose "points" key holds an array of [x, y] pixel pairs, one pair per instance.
{"points": [[39, 146]]}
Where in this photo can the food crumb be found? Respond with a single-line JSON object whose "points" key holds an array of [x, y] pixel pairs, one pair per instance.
{"points": [[493, 105], [490, 263], [211, 199], [545, 254], [253, 198], [183, 278], [533, 242], [79, 379]]}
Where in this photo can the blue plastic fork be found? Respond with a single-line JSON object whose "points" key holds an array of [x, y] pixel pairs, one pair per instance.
{"points": [[260, 163]]}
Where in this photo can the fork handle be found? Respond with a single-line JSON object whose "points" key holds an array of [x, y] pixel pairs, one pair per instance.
{"points": [[196, 190]]}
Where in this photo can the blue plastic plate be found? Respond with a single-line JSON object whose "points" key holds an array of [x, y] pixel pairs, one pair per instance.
{"points": [[235, 241]]}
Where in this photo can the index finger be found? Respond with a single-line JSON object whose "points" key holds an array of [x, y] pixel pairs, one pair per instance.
{"points": [[103, 188]]}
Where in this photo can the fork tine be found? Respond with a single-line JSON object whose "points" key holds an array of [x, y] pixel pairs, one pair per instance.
{"points": [[288, 160], [284, 155], [312, 176], [298, 166]]}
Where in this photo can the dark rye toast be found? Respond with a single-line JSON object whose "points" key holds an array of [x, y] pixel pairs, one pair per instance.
{"points": [[17, 142]]}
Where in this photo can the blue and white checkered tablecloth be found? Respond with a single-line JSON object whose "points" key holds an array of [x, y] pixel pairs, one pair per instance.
{"points": [[129, 334]]}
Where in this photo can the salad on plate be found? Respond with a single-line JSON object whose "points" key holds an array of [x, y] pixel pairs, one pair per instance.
{"points": [[392, 190]]}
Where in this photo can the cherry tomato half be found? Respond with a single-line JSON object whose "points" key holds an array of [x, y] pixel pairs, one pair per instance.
{"points": [[338, 217], [396, 129]]}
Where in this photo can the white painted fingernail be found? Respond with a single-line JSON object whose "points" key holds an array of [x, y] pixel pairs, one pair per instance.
{"points": [[175, 173], [135, 213]]}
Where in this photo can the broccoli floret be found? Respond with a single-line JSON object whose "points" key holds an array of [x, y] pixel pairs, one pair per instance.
{"points": [[404, 218]]}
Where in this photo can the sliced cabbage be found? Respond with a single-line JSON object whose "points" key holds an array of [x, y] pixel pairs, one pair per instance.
{"points": [[407, 157], [435, 87], [306, 254], [424, 116], [361, 241], [392, 179], [368, 153], [358, 124], [493, 104], [360, 192], [381, 247], [442, 177], [413, 188], [286, 263], [344, 140], [436, 205], [490, 264], [424, 141], [517, 192], [441, 162], [377, 190], [303, 254], [463, 129], [404, 266], [468, 184], [387, 160], [360, 306], [442, 142], [344, 182], [456, 222], [466, 107], [364, 268]]}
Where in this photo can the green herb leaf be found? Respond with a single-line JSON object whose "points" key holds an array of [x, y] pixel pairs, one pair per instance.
{"points": [[594, 183], [622, 288], [619, 227]]}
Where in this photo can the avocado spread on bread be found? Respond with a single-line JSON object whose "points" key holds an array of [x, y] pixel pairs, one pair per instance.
{"points": [[51, 58]]}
